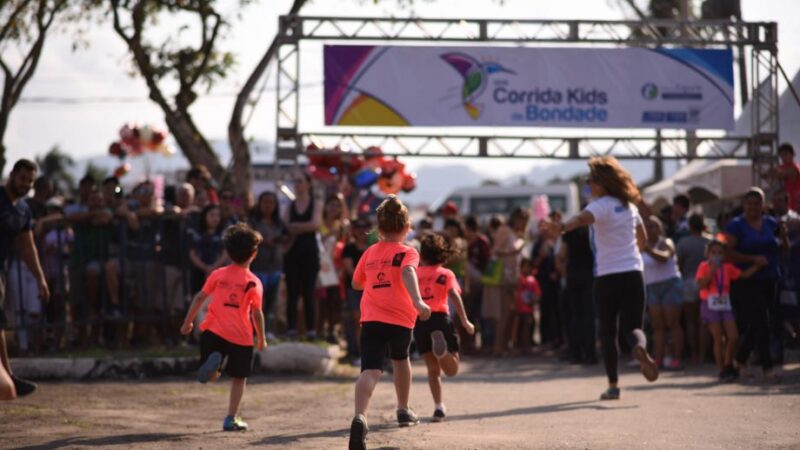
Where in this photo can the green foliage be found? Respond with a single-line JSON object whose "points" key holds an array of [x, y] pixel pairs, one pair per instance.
{"points": [[56, 165]]}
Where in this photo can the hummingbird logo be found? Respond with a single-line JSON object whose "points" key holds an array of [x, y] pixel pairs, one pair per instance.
{"points": [[476, 77]]}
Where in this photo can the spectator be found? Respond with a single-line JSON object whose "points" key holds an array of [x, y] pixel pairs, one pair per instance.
{"points": [[478, 252], [207, 248], [526, 297], [43, 191], [543, 256], [507, 246], [301, 262], [351, 254], [691, 251], [752, 240], [55, 249], [681, 204], [576, 264], [267, 266], [227, 208], [331, 231], [200, 178], [664, 293], [785, 308], [788, 173], [112, 192], [16, 230], [491, 306]]}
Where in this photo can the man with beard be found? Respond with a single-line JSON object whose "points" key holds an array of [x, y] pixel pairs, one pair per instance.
{"points": [[16, 229]]}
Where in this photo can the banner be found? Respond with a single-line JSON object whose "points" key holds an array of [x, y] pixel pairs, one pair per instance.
{"points": [[528, 87]]}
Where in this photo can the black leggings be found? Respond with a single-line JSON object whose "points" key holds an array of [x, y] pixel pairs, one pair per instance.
{"points": [[301, 279], [620, 301], [750, 300]]}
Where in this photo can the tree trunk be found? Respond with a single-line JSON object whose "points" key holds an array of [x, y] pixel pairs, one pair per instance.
{"points": [[242, 169], [193, 145]]}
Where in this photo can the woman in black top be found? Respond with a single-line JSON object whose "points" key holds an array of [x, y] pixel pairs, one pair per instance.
{"points": [[301, 262]]}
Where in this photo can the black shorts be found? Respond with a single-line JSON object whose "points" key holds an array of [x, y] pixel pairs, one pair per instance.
{"points": [[379, 339], [438, 322], [240, 357]]}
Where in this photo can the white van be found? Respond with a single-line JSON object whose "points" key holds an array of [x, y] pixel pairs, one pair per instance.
{"points": [[484, 201]]}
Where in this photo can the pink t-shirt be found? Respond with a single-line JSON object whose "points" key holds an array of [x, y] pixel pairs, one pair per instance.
{"points": [[434, 284], [528, 290], [380, 272], [234, 292], [729, 273]]}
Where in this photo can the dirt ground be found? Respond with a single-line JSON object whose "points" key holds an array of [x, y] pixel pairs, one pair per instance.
{"points": [[509, 403]]}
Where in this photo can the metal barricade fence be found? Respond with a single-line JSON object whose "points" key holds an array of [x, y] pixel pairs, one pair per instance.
{"points": [[152, 268]]}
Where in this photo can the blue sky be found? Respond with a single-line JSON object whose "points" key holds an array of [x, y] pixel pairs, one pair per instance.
{"points": [[86, 129]]}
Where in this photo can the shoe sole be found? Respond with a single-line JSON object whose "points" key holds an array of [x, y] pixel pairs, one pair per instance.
{"points": [[210, 366], [408, 424], [606, 397], [646, 363], [439, 344], [358, 435], [435, 419]]}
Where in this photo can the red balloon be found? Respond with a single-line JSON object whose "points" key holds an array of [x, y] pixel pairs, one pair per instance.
{"points": [[391, 166], [391, 184], [373, 157], [321, 173], [158, 137], [122, 170], [115, 149], [409, 182]]}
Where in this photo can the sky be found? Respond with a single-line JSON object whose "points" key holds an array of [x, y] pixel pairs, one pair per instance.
{"points": [[101, 70]]}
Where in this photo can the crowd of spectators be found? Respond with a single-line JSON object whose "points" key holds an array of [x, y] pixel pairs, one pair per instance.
{"points": [[122, 268]]}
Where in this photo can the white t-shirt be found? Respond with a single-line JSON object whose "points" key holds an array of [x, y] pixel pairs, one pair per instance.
{"points": [[614, 236]]}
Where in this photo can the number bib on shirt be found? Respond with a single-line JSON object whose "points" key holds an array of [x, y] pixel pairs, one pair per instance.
{"points": [[719, 302]]}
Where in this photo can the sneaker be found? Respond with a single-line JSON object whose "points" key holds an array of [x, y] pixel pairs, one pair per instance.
{"points": [[675, 364], [438, 415], [23, 387], [611, 393], [234, 423], [358, 433], [439, 344], [646, 364], [732, 374], [407, 418], [206, 371]]}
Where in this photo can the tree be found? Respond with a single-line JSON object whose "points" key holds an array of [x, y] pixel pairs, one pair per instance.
{"points": [[56, 165], [26, 27], [172, 61]]}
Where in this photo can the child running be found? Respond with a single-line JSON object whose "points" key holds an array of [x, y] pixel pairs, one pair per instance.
{"points": [[235, 294], [436, 338], [714, 280], [391, 301]]}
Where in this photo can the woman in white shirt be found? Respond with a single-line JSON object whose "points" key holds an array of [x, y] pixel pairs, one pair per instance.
{"points": [[617, 235]]}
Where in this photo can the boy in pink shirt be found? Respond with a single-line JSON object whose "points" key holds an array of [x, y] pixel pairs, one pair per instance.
{"points": [[235, 295], [436, 338], [391, 301]]}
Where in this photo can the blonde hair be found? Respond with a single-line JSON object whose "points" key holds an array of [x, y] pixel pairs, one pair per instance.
{"points": [[393, 216], [607, 172]]}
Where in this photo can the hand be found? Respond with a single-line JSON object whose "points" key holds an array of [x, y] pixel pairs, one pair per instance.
{"points": [[760, 261], [424, 311], [551, 228], [262, 344], [469, 328], [187, 328], [44, 291]]}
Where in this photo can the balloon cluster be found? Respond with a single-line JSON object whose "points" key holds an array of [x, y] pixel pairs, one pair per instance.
{"points": [[363, 171], [135, 140]]}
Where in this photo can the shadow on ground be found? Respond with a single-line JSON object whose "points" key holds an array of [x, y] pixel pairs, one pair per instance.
{"points": [[124, 439]]}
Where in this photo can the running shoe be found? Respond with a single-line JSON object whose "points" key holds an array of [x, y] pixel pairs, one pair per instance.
{"points": [[611, 393], [206, 371], [439, 344], [358, 433], [646, 363], [407, 418], [234, 423], [675, 365], [23, 387], [438, 415], [732, 374]]}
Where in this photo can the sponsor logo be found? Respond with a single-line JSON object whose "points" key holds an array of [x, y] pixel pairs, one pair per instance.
{"points": [[649, 91], [475, 76], [232, 302], [398, 259], [382, 283]]}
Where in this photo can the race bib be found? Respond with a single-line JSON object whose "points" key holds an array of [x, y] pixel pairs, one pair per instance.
{"points": [[719, 302]]}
